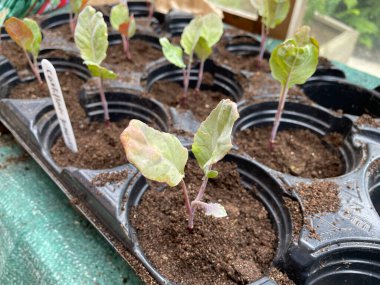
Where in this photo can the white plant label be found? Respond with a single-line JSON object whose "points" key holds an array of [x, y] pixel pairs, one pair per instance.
{"points": [[59, 105]]}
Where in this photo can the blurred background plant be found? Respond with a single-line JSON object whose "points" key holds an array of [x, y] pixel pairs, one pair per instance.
{"points": [[363, 16]]}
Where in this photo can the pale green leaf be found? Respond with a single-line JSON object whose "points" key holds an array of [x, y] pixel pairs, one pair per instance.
{"points": [[172, 53], [119, 15], [211, 209], [99, 71], [295, 60], [212, 141], [191, 34], [202, 49], [212, 29], [212, 174], [208, 27], [34, 47], [273, 12], [159, 156], [91, 36], [3, 16]]}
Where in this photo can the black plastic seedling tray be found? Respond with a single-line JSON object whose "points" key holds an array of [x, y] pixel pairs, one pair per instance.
{"points": [[348, 250]]}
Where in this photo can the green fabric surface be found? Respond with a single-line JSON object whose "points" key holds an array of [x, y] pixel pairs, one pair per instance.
{"points": [[42, 239]]}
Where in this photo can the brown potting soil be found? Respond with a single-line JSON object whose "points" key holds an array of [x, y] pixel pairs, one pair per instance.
{"points": [[298, 152], [368, 120], [70, 85], [236, 249], [114, 177], [240, 62], [141, 51], [324, 62], [280, 277], [98, 146], [263, 84], [296, 217], [201, 104], [62, 31]]}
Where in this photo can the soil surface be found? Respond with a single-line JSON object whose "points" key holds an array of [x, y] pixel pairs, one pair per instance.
{"points": [[233, 250], [62, 31], [298, 152], [115, 177], [296, 217], [280, 277], [368, 120], [201, 104], [264, 87], [318, 198], [237, 61], [142, 53], [324, 62], [98, 146], [70, 85]]}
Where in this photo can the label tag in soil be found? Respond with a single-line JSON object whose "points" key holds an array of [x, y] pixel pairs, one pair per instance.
{"points": [[59, 105]]}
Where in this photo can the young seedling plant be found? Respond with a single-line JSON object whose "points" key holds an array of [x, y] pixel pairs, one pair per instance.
{"points": [[124, 24], [161, 157], [292, 62], [198, 37], [273, 13], [26, 34], [76, 6], [3, 16], [91, 38]]}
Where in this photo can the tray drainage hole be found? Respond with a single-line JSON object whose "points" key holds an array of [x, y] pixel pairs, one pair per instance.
{"points": [[374, 184]]}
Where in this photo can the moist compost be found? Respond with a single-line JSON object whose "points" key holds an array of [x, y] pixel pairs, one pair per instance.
{"points": [[264, 87], [280, 277], [368, 120], [298, 152], [98, 146], [114, 177], [296, 217], [233, 250], [70, 85], [62, 31], [239, 61], [200, 104], [142, 53]]}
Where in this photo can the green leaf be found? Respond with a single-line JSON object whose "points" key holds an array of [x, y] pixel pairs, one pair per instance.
{"points": [[295, 60], [99, 71], [172, 53], [202, 49], [212, 141], [273, 12], [191, 34], [19, 32], [208, 29], [212, 174], [34, 47], [119, 15], [3, 16], [91, 36], [159, 156], [212, 29]]}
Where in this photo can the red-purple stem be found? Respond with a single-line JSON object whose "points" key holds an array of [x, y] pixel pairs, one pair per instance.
{"points": [[151, 10], [280, 109], [34, 66], [200, 76], [187, 76], [264, 34], [99, 82], [187, 201], [126, 46], [73, 21]]}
